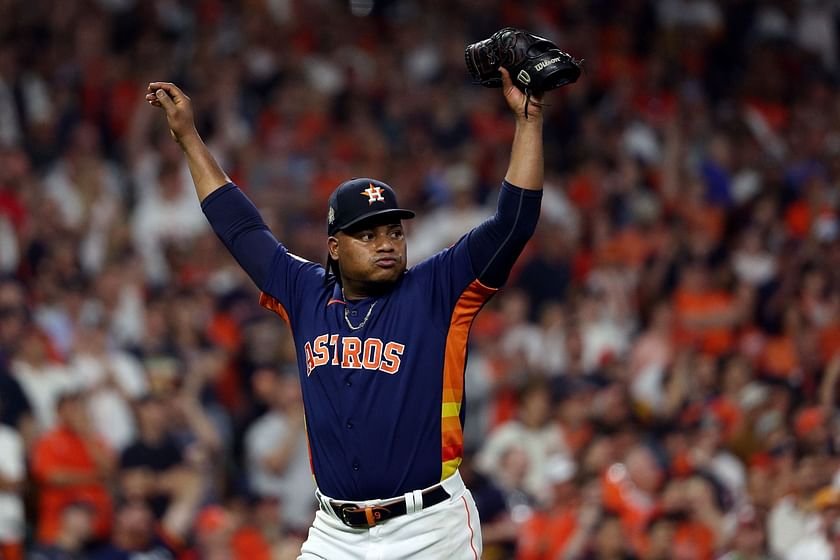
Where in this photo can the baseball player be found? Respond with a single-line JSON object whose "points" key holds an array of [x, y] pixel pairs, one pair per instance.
{"points": [[381, 349]]}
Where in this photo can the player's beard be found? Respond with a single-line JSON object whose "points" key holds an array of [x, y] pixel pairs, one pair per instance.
{"points": [[376, 284]]}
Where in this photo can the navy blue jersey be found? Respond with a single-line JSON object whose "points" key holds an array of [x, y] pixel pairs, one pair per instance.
{"points": [[383, 378]]}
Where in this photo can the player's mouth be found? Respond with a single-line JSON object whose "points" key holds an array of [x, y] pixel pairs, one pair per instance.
{"points": [[387, 262]]}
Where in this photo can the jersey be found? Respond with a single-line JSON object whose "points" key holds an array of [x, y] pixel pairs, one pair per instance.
{"points": [[382, 378]]}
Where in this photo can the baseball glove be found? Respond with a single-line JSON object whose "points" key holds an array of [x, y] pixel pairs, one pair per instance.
{"points": [[535, 63]]}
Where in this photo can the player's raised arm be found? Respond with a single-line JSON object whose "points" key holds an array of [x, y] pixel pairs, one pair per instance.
{"points": [[495, 245], [526, 156], [232, 215], [531, 65]]}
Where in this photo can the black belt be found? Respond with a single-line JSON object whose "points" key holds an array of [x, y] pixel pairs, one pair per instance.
{"points": [[355, 515]]}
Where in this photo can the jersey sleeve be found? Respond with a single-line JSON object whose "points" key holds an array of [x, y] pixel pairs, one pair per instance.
{"points": [[241, 229], [475, 267], [291, 282], [495, 245], [281, 276]]}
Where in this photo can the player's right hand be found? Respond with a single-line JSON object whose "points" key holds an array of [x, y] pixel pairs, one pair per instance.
{"points": [[516, 100], [176, 104]]}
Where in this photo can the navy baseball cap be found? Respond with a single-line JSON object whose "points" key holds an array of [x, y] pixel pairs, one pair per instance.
{"points": [[359, 199]]}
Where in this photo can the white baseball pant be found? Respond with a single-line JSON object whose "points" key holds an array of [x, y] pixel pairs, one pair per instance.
{"points": [[449, 530]]}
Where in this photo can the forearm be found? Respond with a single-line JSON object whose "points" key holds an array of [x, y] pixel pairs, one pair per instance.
{"points": [[206, 173], [526, 166], [828, 387], [186, 497], [201, 425]]}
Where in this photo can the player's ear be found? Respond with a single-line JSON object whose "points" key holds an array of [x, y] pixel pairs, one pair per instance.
{"points": [[332, 247]]}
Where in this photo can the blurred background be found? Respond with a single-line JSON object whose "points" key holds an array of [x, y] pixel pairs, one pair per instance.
{"points": [[658, 380]]}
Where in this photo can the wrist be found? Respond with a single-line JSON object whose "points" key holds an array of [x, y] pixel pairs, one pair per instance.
{"points": [[532, 122], [189, 139]]}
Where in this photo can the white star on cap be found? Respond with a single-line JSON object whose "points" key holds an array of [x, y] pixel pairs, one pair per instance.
{"points": [[374, 194]]}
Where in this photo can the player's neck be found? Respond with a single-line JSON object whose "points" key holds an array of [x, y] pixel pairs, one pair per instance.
{"points": [[358, 291]]}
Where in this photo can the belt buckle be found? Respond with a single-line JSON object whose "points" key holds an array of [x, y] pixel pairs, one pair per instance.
{"points": [[373, 514], [342, 513]]}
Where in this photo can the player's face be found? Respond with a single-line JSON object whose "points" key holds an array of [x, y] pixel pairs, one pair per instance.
{"points": [[369, 257]]}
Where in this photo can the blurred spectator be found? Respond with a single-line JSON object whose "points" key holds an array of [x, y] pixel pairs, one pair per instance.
{"points": [[701, 527], [553, 323], [41, 378], [214, 530], [150, 464], [83, 184], [751, 261], [652, 353], [114, 378], [15, 410], [510, 477], [603, 320], [166, 217], [268, 520], [659, 543], [706, 314], [222, 534], [521, 339], [277, 455], [609, 541], [546, 277], [448, 223], [549, 531], [70, 464], [532, 433], [792, 518], [12, 480], [75, 530], [135, 532], [749, 541], [630, 489], [819, 544], [198, 422]]}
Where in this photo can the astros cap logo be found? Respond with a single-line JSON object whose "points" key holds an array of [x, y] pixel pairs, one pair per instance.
{"points": [[374, 194]]}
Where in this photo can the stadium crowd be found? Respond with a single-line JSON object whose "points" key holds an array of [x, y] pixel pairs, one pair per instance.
{"points": [[658, 380]]}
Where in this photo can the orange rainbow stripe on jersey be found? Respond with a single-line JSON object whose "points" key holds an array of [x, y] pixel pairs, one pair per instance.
{"points": [[271, 303], [454, 362]]}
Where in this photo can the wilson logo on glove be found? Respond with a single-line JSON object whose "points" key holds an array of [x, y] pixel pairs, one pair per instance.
{"points": [[540, 65]]}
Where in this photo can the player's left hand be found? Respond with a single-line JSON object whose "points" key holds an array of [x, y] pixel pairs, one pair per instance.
{"points": [[176, 105], [516, 99]]}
